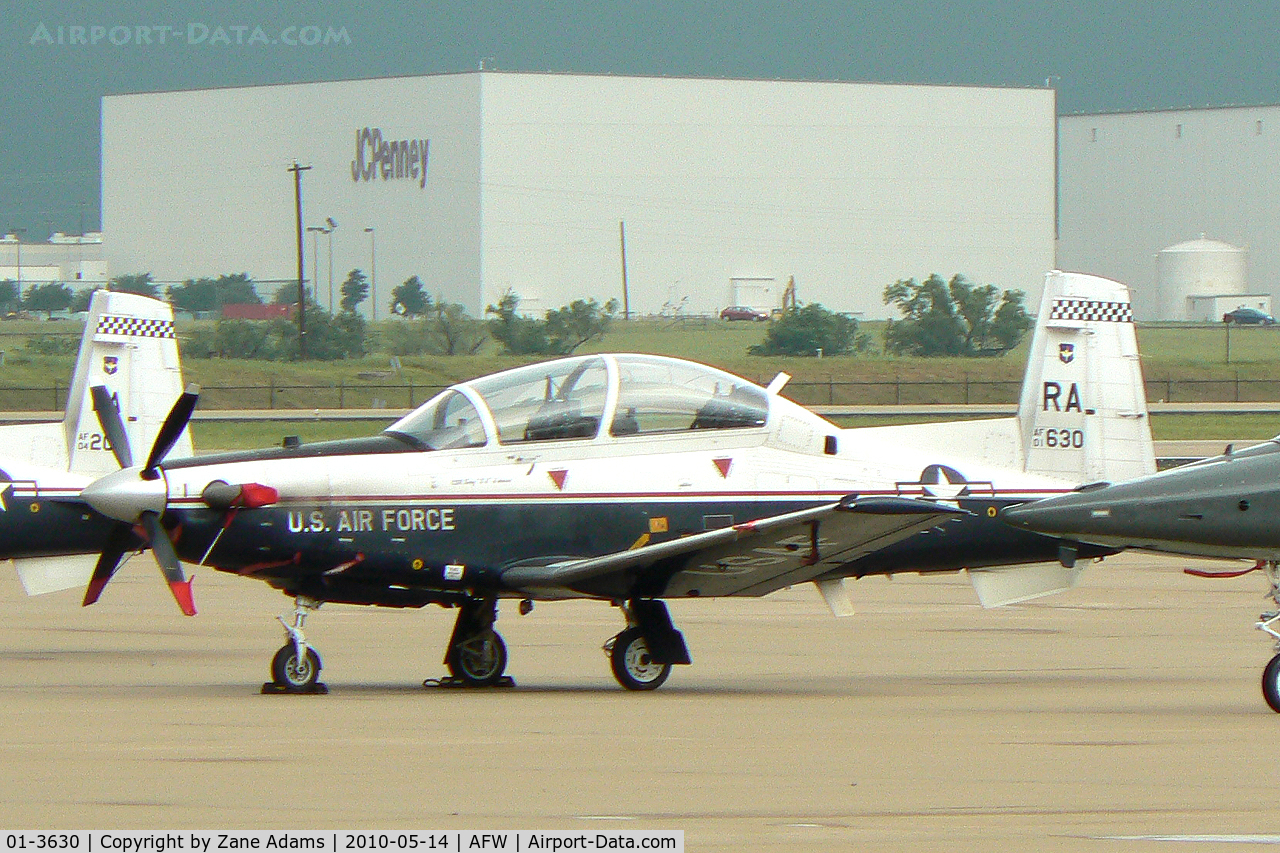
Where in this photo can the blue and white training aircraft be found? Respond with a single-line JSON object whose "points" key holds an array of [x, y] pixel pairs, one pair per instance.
{"points": [[633, 479]]}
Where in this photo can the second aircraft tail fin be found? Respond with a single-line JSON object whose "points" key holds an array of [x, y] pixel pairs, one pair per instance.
{"points": [[130, 347], [1082, 413]]}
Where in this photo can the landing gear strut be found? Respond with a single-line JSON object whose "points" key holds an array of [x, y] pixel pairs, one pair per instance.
{"points": [[1267, 622], [642, 655], [477, 656], [296, 666]]}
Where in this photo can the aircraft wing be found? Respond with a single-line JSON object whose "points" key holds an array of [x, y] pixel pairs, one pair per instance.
{"points": [[753, 558]]}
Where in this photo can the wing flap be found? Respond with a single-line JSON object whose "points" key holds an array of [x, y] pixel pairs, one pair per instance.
{"points": [[756, 557]]}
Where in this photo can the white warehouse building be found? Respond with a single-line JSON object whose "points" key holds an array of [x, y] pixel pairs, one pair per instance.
{"points": [[1136, 184], [486, 182]]}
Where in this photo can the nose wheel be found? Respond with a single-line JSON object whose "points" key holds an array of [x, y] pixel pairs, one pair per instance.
{"points": [[1268, 623], [296, 666], [293, 673]]}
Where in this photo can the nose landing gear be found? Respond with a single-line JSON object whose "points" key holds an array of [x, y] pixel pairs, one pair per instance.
{"points": [[1267, 623], [296, 666]]}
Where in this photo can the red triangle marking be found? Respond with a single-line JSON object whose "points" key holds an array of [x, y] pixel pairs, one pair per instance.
{"points": [[724, 465], [558, 477]]}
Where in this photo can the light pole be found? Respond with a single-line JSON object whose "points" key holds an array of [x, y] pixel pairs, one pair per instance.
{"points": [[373, 272], [333, 226], [316, 231], [17, 244]]}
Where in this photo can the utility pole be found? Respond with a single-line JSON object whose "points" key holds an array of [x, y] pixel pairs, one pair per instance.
{"points": [[302, 292], [626, 296], [373, 273]]}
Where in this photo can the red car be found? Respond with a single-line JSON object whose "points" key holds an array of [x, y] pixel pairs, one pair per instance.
{"points": [[740, 312]]}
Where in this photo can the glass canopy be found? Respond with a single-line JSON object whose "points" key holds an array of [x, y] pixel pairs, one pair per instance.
{"points": [[572, 398]]}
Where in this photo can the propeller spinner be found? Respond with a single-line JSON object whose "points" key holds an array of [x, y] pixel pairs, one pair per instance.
{"points": [[138, 496]]}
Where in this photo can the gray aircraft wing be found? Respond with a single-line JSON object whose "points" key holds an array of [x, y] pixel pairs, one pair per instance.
{"points": [[753, 558]]}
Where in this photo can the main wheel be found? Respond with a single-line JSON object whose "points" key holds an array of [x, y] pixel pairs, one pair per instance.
{"points": [[480, 660], [632, 665], [1271, 684], [295, 675]]}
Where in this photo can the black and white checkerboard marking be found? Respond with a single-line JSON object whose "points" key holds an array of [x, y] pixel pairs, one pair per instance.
{"points": [[134, 327], [1088, 309]]}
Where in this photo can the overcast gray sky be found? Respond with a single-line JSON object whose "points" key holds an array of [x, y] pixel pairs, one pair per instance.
{"points": [[1101, 56]]}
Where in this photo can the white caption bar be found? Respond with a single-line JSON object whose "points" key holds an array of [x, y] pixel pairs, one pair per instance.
{"points": [[343, 841]]}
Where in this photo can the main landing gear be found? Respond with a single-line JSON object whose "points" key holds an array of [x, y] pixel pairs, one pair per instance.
{"points": [[1268, 622], [476, 655], [296, 666], [642, 655]]}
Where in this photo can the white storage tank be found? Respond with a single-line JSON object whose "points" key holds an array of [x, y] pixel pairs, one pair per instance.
{"points": [[1189, 272]]}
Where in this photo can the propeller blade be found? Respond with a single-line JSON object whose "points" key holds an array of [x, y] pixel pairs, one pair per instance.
{"points": [[117, 543], [171, 430], [109, 417], [167, 557]]}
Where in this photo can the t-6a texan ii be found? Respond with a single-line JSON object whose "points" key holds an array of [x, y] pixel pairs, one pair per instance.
{"points": [[1226, 506], [634, 479]]}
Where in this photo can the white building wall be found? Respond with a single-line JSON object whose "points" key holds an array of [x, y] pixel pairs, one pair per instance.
{"points": [[195, 183], [1134, 183], [848, 187]]}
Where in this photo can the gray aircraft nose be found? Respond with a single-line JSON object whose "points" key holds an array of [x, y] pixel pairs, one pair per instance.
{"points": [[1068, 514]]}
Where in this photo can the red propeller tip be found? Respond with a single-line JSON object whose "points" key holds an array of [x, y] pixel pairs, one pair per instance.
{"points": [[182, 594]]}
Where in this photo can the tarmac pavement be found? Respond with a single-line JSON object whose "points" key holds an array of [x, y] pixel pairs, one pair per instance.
{"points": [[1126, 708]]}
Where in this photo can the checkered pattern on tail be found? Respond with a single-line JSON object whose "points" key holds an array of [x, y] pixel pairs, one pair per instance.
{"points": [[134, 327], [1088, 309]]}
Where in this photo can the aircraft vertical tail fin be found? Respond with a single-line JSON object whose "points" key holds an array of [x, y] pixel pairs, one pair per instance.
{"points": [[130, 347], [1083, 412]]}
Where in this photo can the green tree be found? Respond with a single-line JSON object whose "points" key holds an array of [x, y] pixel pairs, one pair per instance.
{"points": [[50, 297], [931, 325], [455, 332], [80, 302], [410, 299], [953, 318], [448, 330], [10, 296], [210, 294], [976, 306], [139, 283], [237, 289], [559, 333], [805, 330], [287, 294], [1011, 322], [354, 290], [518, 334], [329, 337], [580, 321]]}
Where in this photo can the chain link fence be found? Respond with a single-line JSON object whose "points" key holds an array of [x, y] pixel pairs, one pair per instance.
{"points": [[364, 395]]}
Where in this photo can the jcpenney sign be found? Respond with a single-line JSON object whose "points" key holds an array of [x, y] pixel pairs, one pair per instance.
{"points": [[389, 159]]}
